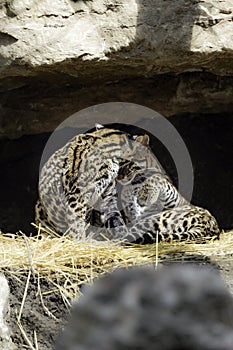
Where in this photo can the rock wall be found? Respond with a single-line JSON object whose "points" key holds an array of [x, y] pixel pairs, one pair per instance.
{"points": [[41, 105], [57, 57], [145, 37]]}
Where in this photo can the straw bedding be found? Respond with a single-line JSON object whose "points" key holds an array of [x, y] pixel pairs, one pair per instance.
{"points": [[64, 265], [59, 258]]}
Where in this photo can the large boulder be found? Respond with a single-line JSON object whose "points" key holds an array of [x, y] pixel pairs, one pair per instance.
{"points": [[180, 307]]}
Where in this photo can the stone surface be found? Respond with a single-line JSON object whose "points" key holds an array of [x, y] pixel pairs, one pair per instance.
{"points": [[140, 36], [39, 106], [5, 333], [57, 57], [176, 307]]}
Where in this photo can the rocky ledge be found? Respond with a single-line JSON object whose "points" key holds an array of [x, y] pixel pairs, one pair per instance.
{"points": [[61, 56]]}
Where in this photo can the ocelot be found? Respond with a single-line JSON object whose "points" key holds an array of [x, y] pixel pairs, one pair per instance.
{"points": [[107, 184]]}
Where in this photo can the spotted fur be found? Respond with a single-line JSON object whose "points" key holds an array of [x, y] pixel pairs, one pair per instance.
{"points": [[111, 181]]}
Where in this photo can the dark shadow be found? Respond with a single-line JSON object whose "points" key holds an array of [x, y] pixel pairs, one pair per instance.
{"points": [[19, 175], [7, 39], [164, 30], [210, 144]]}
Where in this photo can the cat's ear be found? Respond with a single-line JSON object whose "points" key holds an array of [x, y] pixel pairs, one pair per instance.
{"points": [[143, 139], [98, 126]]}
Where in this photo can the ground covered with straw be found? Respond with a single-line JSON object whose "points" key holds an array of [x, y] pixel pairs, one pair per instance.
{"points": [[46, 274]]}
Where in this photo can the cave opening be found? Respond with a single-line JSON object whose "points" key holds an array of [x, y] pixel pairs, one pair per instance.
{"points": [[208, 138]]}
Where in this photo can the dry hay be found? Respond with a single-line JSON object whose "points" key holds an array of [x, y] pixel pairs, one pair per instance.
{"points": [[60, 259], [67, 264]]}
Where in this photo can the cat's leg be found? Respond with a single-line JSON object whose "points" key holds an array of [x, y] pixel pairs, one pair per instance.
{"points": [[181, 223]]}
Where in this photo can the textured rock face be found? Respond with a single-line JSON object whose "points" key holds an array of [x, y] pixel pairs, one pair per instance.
{"points": [[145, 37], [38, 106], [57, 57], [5, 339], [174, 308]]}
